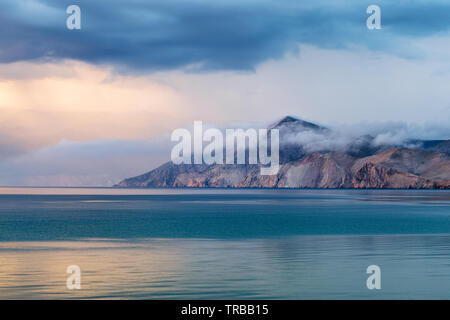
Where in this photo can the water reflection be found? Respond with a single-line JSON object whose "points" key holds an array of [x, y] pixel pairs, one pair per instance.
{"points": [[302, 267]]}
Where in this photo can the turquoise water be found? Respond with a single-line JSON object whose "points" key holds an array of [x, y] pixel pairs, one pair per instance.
{"points": [[224, 244]]}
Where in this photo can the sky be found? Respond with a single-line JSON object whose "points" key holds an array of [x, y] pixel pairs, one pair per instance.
{"points": [[90, 107]]}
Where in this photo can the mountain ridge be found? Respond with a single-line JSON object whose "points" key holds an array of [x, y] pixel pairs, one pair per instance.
{"points": [[360, 164]]}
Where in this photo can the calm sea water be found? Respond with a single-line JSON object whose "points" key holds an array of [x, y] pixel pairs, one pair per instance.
{"points": [[224, 244]]}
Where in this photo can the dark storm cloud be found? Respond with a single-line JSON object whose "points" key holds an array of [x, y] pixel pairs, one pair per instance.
{"points": [[140, 35]]}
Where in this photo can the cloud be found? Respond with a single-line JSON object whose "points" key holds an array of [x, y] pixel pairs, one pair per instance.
{"points": [[43, 103], [140, 36], [79, 102], [92, 163], [388, 133]]}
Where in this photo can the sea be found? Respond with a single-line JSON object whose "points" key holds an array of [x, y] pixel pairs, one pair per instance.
{"points": [[224, 243]]}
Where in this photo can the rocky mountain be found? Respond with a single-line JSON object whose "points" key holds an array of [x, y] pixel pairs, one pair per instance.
{"points": [[311, 157]]}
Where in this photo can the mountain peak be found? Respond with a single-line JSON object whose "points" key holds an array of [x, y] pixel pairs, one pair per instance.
{"points": [[293, 122], [288, 119]]}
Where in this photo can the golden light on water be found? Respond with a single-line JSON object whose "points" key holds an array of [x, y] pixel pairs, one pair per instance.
{"points": [[108, 268]]}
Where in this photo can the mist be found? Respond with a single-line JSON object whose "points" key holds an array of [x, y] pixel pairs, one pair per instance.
{"points": [[399, 134]]}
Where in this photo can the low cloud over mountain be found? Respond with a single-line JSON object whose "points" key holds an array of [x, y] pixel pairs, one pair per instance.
{"points": [[314, 156]]}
